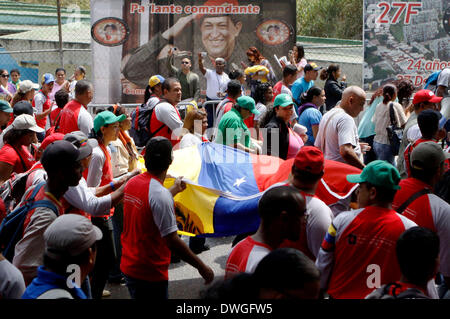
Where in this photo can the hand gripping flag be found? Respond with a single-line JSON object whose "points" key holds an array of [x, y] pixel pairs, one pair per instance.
{"points": [[224, 186]]}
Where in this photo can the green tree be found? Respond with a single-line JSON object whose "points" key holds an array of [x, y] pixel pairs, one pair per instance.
{"points": [[341, 19]]}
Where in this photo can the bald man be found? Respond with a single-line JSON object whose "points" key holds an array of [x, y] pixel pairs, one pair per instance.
{"points": [[338, 134]]}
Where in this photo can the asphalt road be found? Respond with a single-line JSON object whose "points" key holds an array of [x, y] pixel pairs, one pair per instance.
{"points": [[184, 280]]}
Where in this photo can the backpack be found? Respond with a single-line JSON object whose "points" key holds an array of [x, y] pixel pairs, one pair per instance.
{"points": [[432, 79], [11, 228], [140, 129], [383, 293]]}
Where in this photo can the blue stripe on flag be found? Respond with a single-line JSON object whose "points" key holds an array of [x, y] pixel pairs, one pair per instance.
{"points": [[233, 217], [227, 169]]}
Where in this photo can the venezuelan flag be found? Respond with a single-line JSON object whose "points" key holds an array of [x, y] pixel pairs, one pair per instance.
{"points": [[224, 186]]}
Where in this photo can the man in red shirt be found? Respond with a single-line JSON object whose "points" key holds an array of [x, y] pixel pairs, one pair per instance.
{"points": [[75, 116], [166, 120], [149, 227], [358, 252], [61, 161], [282, 210], [416, 200], [306, 173]]}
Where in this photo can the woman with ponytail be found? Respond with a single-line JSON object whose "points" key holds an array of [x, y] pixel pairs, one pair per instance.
{"points": [[309, 114], [382, 120], [333, 89]]}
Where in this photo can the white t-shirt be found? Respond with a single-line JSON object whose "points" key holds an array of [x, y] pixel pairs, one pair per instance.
{"points": [[98, 159], [382, 119], [12, 285], [340, 130], [85, 121], [413, 134], [215, 83]]}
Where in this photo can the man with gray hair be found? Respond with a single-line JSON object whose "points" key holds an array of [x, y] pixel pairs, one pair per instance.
{"points": [[216, 84]]}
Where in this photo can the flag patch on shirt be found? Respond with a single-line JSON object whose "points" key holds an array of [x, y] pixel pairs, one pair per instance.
{"points": [[328, 243]]}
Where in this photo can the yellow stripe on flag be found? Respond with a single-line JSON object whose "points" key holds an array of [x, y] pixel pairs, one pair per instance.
{"points": [[186, 163], [196, 205]]}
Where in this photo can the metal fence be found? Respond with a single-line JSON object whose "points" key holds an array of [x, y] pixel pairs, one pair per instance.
{"points": [[348, 54], [38, 36]]}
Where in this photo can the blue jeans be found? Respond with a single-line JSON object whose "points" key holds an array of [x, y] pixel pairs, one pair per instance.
{"points": [[142, 289], [383, 152]]}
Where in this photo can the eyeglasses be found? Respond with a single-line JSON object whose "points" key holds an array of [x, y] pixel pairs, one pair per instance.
{"points": [[5, 75], [184, 62]]}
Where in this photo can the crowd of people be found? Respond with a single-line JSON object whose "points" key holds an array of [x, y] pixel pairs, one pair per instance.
{"points": [[90, 214]]}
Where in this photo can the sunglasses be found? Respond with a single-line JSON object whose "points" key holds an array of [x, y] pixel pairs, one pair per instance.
{"points": [[5, 75], [184, 62]]}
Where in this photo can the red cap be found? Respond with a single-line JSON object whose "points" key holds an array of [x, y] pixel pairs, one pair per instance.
{"points": [[426, 96], [50, 139], [310, 159]]}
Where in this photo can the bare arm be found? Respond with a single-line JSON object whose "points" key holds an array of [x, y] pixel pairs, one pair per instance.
{"points": [[315, 130], [178, 246], [200, 64], [348, 154], [5, 172], [241, 147], [440, 92], [42, 115]]}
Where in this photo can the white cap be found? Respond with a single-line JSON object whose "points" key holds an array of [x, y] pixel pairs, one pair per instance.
{"points": [[26, 86], [26, 122], [70, 234]]}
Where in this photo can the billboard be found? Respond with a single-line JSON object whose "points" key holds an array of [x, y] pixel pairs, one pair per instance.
{"points": [[405, 40], [131, 39]]}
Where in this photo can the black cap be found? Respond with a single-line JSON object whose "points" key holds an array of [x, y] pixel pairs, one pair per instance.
{"points": [[22, 107], [158, 153], [60, 153]]}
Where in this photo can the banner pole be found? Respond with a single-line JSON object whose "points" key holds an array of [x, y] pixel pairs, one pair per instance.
{"points": [[61, 54]]}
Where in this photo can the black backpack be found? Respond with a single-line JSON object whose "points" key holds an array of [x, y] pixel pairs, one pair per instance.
{"points": [[140, 129]]}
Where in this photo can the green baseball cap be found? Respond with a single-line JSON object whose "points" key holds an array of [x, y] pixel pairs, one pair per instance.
{"points": [[248, 103], [283, 100], [378, 173], [105, 118], [5, 106]]}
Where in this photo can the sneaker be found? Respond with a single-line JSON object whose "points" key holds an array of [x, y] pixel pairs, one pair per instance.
{"points": [[106, 293]]}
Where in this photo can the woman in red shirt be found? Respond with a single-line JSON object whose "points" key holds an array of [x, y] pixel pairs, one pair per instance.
{"points": [[14, 155]]}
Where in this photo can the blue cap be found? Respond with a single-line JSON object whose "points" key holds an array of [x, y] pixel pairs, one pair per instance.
{"points": [[47, 78]]}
